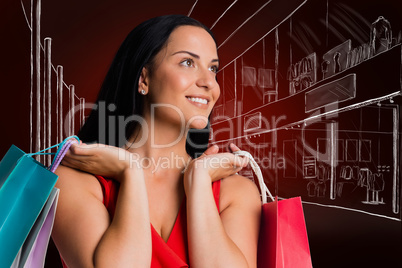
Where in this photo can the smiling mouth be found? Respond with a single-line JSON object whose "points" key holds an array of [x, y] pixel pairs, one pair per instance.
{"points": [[198, 100]]}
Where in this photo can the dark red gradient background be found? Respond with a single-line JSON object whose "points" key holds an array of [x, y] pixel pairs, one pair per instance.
{"points": [[85, 36]]}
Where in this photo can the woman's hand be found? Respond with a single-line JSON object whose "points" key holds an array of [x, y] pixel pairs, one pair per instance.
{"points": [[215, 165], [99, 159], [84, 232], [221, 165], [227, 235]]}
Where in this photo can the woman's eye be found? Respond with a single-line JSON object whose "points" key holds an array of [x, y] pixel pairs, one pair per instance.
{"points": [[213, 69], [187, 62]]}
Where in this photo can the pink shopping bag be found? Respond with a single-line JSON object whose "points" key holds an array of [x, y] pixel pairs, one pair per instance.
{"points": [[283, 241]]}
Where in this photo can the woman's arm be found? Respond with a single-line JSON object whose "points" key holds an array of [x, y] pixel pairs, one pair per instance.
{"points": [[83, 231], [228, 239]]}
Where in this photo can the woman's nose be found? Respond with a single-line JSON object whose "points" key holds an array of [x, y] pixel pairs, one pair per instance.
{"points": [[206, 79]]}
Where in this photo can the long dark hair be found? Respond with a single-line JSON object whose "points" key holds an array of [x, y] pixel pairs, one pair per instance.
{"points": [[119, 98]]}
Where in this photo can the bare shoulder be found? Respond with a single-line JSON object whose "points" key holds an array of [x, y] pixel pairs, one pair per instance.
{"points": [[239, 185], [239, 190], [81, 218], [75, 182]]}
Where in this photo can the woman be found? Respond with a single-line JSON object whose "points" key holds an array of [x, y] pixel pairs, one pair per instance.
{"points": [[154, 204]]}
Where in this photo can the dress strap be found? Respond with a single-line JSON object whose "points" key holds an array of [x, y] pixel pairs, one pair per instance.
{"points": [[110, 189], [216, 188]]}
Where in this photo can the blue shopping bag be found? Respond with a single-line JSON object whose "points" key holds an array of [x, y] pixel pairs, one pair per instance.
{"points": [[25, 185]]}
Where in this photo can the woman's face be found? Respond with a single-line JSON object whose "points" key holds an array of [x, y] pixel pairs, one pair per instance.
{"points": [[183, 80]]}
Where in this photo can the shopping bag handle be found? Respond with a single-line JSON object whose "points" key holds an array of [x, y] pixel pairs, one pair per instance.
{"points": [[263, 187], [61, 151]]}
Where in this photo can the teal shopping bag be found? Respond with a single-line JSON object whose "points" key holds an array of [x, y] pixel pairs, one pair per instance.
{"points": [[25, 185], [32, 253]]}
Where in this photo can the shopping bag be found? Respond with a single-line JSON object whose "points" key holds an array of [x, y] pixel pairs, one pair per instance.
{"points": [[283, 240], [33, 251], [25, 187]]}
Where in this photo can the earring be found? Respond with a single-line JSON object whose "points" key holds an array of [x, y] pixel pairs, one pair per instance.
{"points": [[143, 92]]}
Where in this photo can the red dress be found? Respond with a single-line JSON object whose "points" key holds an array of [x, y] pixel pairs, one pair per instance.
{"points": [[170, 254]]}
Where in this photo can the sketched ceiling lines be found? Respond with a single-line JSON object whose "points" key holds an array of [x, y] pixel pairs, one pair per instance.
{"points": [[192, 8], [305, 37], [213, 25], [234, 22], [203, 12], [243, 23], [351, 21], [25, 15], [41, 45], [350, 11], [244, 35], [231, 15]]}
